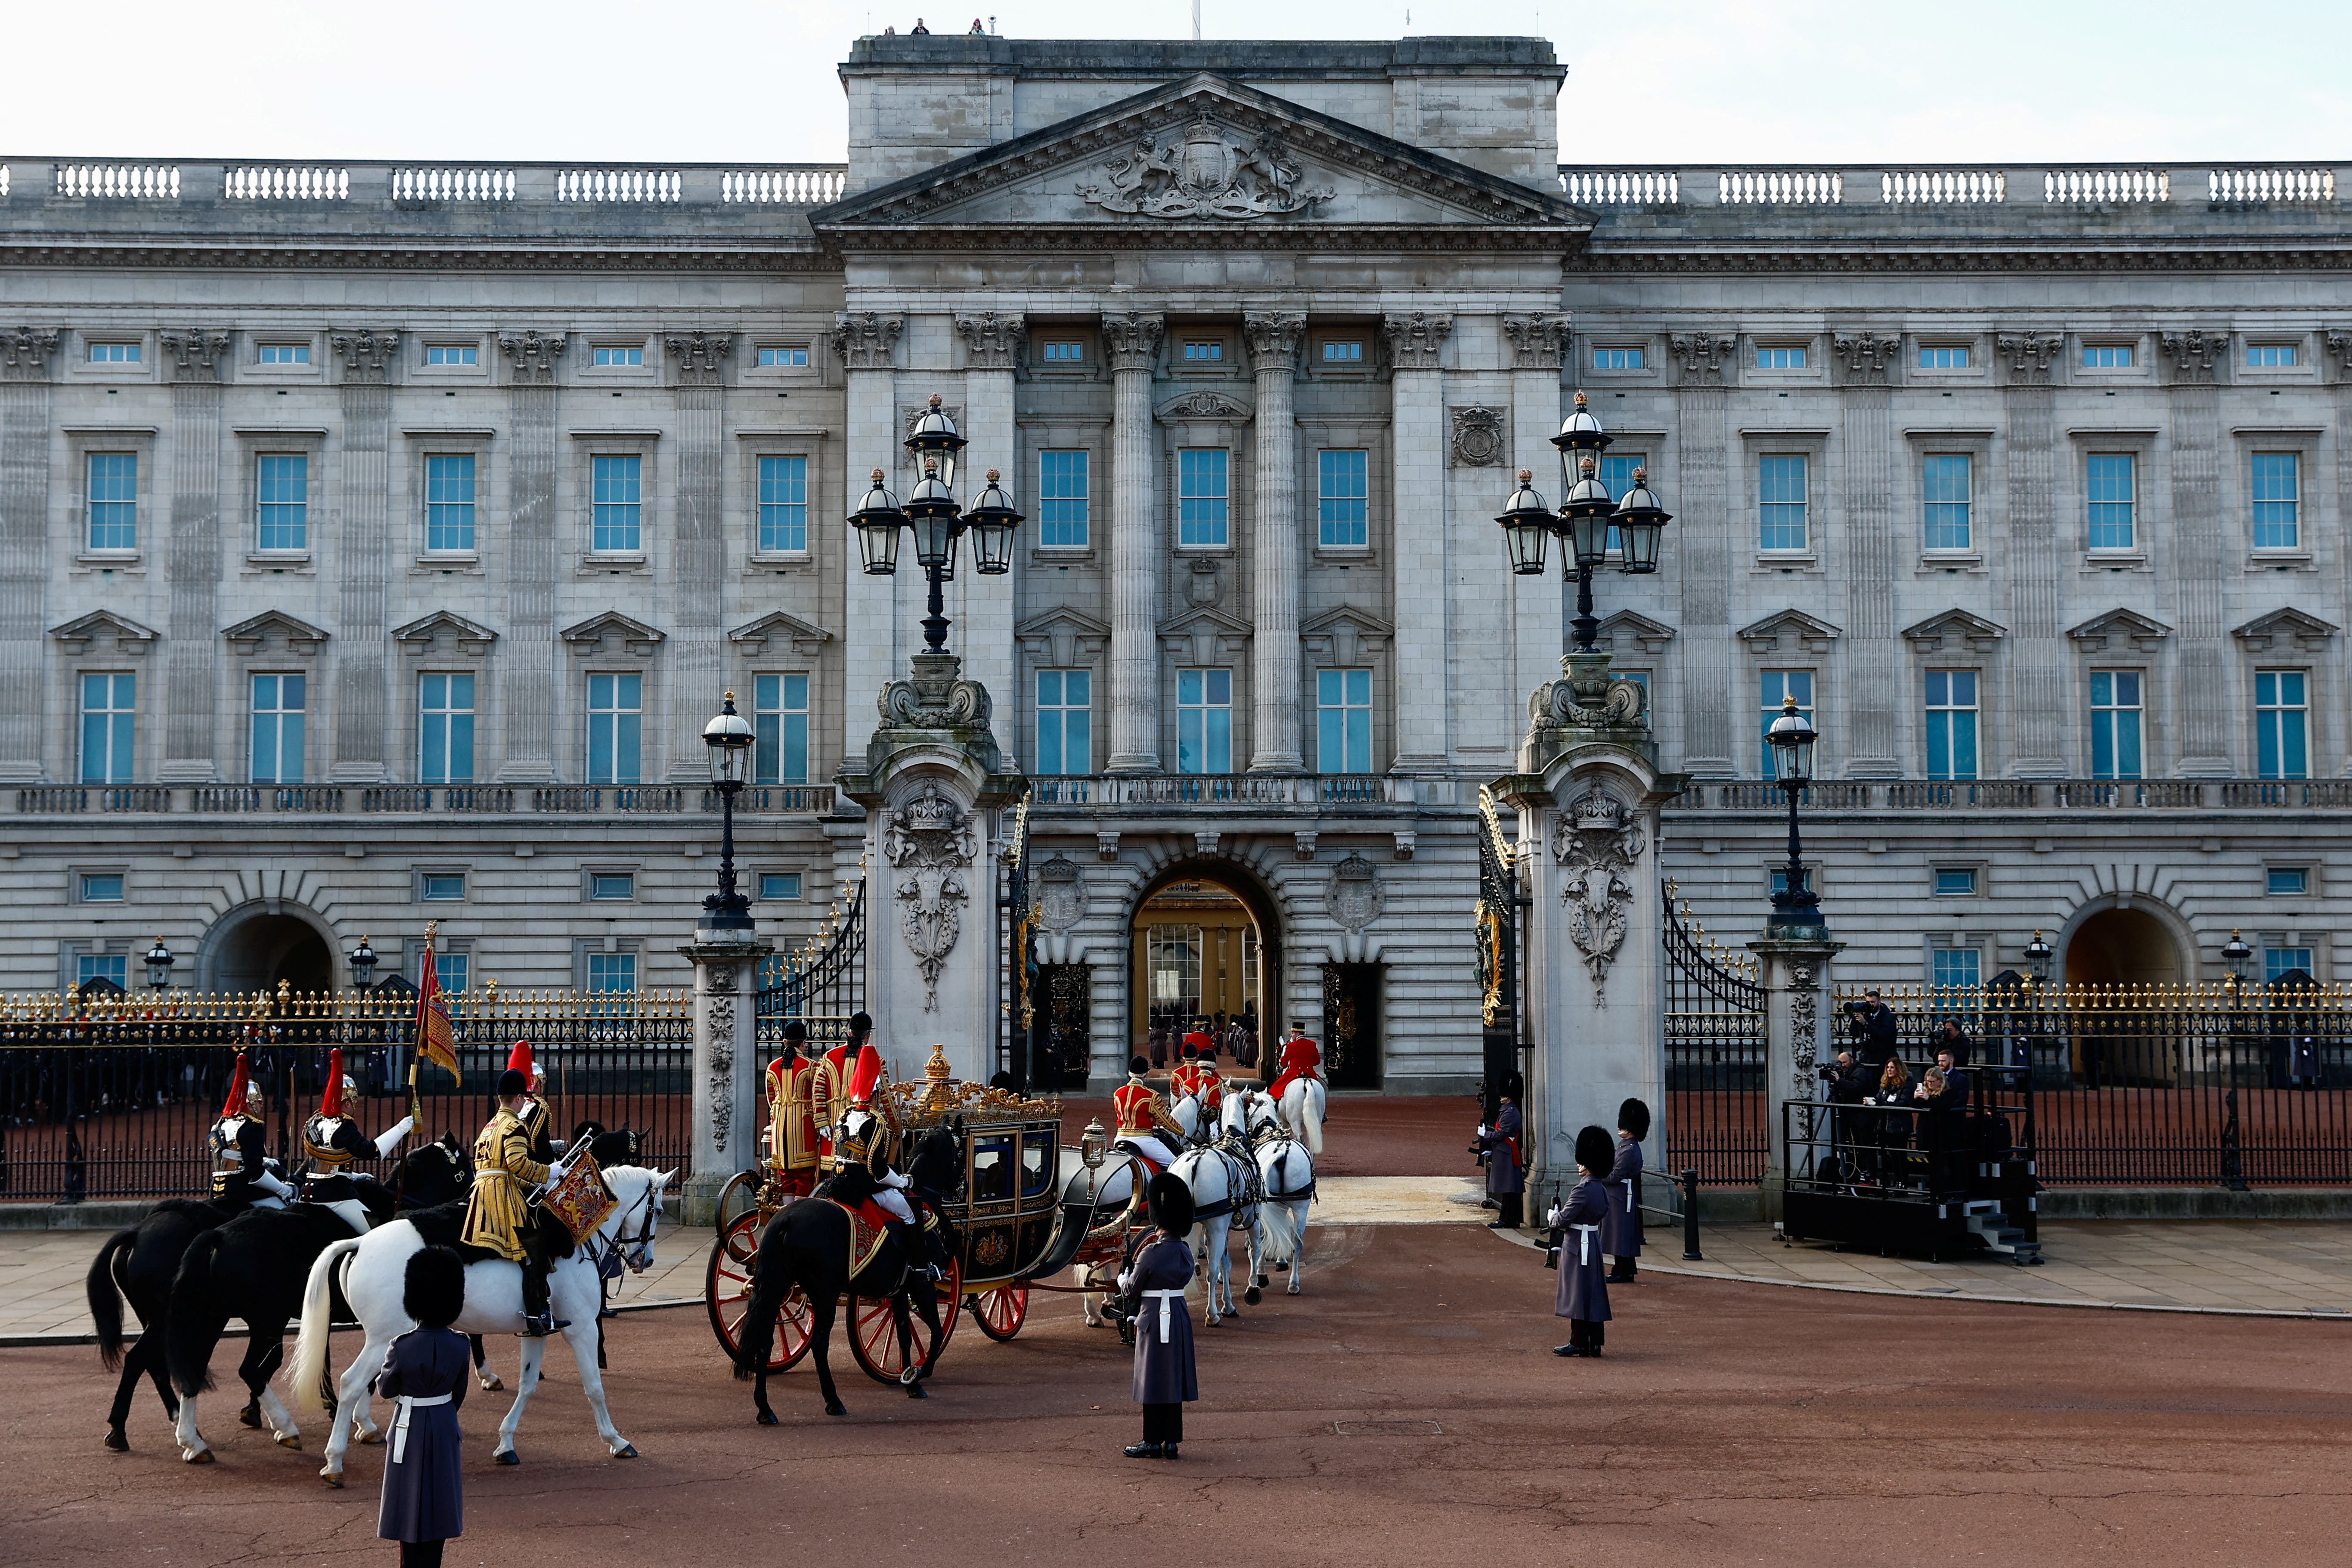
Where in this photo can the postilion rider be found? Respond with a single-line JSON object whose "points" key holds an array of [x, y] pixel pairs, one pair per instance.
{"points": [[1301, 1057], [1196, 1074], [244, 1176], [498, 1217], [1143, 1114], [332, 1139]]}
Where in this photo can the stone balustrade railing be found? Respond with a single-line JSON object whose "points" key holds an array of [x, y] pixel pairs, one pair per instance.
{"points": [[1819, 186], [291, 185], [1241, 790], [416, 800], [2073, 796]]}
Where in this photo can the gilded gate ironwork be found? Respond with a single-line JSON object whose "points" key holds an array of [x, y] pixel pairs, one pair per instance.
{"points": [[1715, 1021], [821, 983], [1496, 937]]}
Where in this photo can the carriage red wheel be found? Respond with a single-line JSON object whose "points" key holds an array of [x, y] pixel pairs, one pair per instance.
{"points": [[874, 1336], [727, 1293], [1001, 1312]]}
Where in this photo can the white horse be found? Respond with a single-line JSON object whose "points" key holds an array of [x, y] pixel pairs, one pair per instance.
{"points": [[1285, 1179], [1224, 1196], [1302, 1112], [373, 1275]]}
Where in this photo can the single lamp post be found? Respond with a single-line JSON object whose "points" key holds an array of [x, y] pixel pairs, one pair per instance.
{"points": [[363, 963], [2240, 960], [1588, 515], [160, 960], [730, 738], [1796, 912], [936, 519]]}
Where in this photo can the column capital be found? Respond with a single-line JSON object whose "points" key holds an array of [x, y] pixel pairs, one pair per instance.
{"points": [[1867, 358], [2030, 356], [1704, 356], [866, 339], [196, 355], [1274, 338], [1414, 339], [533, 354], [695, 356], [1131, 339], [1538, 339], [25, 353], [368, 356], [992, 339]]}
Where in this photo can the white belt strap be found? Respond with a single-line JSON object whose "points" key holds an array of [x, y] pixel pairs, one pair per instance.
{"points": [[1628, 1186], [1583, 1242], [408, 1402], [1165, 1297]]}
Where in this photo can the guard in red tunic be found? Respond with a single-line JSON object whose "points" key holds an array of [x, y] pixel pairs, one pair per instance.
{"points": [[1200, 1042], [791, 1119], [1143, 1114], [1301, 1057], [1184, 1077], [1208, 1084], [829, 1089]]}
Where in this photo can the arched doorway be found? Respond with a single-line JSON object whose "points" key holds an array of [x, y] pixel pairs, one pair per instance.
{"points": [[1204, 941], [2125, 946], [254, 948]]}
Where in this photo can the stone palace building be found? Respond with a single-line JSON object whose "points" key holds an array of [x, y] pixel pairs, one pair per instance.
{"points": [[375, 540]]}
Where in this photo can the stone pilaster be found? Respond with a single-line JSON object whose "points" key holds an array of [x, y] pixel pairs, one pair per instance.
{"points": [[725, 1126], [27, 357], [1133, 343], [2038, 660], [1706, 550], [1539, 604], [698, 569], [196, 361], [2207, 555], [1417, 440], [1875, 539], [528, 557], [983, 629], [1796, 976], [866, 342], [362, 545], [1274, 532]]}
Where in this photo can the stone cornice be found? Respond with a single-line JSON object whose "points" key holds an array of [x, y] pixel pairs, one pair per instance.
{"points": [[616, 257], [1602, 257]]}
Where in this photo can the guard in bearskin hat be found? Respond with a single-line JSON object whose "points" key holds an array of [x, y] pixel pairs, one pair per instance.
{"points": [[1584, 1297], [332, 1139], [1621, 1237], [1155, 1281], [243, 1176], [425, 1376], [1498, 1147]]}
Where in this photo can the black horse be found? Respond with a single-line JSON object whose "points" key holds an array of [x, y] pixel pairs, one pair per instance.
{"points": [[807, 1247], [140, 1263]]}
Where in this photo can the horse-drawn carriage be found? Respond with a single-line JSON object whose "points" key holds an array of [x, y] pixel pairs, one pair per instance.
{"points": [[1023, 1209]]}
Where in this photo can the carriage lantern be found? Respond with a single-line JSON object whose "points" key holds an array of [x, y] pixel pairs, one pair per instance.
{"points": [[1526, 524], [729, 737], [1092, 1145], [160, 960]]}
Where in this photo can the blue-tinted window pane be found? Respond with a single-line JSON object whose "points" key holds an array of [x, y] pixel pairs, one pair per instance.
{"points": [[780, 723], [2281, 724], [114, 354], [441, 887], [1064, 721], [1338, 351], [613, 971], [2270, 355], [617, 498], [1780, 492], [1064, 499], [2288, 880], [779, 884], [439, 354], [2107, 356], [114, 501], [283, 485], [1952, 881], [113, 966], [2277, 499], [1776, 686], [1616, 359], [615, 715], [1951, 723], [612, 885], [107, 713], [278, 702], [1063, 352], [1200, 497], [1780, 359], [621, 356], [1617, 478], [1953, 965], [1343, 721], [2116, 724], [2279, 961], [783, 359], [2111, 483], [1343, 498], [101, 887], [445, 751], [449, 501], [1943, 358], [1204, 353], [784, 504], [1944, 484], [284, 353], [1204, 721]]}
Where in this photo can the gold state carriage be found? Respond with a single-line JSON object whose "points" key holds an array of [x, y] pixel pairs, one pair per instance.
{"points": [[1011, 1221]]}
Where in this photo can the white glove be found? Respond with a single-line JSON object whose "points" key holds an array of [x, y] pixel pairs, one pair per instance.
{"points": [[892, 1179], [1551, 1220], [387, 1141], [272, 1185]]}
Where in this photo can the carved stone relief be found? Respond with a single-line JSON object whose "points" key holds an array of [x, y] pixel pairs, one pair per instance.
{"points": [[929, 843], [2195, 354], [992, 339], [1274, 339], [366, 357], [1205, 170], [867, 340], [1704, 358], [1598, 846], [1131, 341], [1061, 897], [1867, 358], [1353, 896], [2031, 356], [1804, 1030], [1538, 339], [532, 355], [1477, 438], [196, 355], [697, 356], [28, 349], [1414, 339]]}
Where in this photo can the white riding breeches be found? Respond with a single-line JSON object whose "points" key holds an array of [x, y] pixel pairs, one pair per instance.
{"points": [[1150, 1146], [896, 1203]]}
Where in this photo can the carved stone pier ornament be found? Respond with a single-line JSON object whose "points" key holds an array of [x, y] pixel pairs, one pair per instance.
{"points": [[1804, 1031], [1598, 847], [1868, 358], [1061, 898], [533, 354], [930, 844], [2030, 355], [720, 978], [196, 355], [1538, 339], [1353, 896], [866, 339], [1704, 358], [1205, 170], [697, 356], [992, 339], [2196, 355], [367, 356], [1477, 438], [1587, 696], [1414, 339], [1131, 340]]}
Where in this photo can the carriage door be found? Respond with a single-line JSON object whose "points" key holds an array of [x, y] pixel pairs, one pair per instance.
{"points": [[1351, 1025]]}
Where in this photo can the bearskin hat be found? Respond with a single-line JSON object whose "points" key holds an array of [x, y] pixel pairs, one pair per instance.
{"points": [[860, 1025], [1172, 1205], [434, 1291], [1516, 1087], [1595, 1150], [1634, 1117]]}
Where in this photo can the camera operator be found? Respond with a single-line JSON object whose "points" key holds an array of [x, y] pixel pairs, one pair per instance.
{"points": [[1846, 1081], [1873, 1023]]}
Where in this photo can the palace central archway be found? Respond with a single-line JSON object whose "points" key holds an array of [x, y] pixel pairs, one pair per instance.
{"points": [[254, 948], [1204, 941]]}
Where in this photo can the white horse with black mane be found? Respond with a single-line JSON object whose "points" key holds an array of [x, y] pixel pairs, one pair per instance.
{"points": [[1286, 1174], [372, 1271]]}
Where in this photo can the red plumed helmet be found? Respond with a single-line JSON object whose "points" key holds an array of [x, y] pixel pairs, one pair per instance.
{"points": [[330, 1103], [868, 1074], [518, 1059], [238, 1085]]}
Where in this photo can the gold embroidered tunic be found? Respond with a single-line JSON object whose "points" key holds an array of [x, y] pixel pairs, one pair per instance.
{"points": [[504, 1171]]}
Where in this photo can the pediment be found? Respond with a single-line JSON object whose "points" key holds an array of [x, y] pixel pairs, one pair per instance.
{"points": [[2284, 629], [1790, 631], [1206, 631], [419, 636], [2119, 629], [780, 628], [255, 632], [1201, 156], [590, 636], [83, 632], [1953, 630], [1206, 406], [1637, 632], [1345, 633]]}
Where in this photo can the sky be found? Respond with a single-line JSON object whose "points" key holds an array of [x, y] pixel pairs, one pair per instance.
{"points": [[1693, 82]]}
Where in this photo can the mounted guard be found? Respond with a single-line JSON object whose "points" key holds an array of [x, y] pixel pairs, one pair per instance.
{"points": [[498, 1219], [544, 1146], [243, 1176], [830, 1091], [332, 1139]]}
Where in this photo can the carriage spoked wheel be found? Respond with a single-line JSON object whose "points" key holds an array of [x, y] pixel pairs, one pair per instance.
{"points": [[874, 1337], [727, 1292], [1000, 1313], [740, 1196]]}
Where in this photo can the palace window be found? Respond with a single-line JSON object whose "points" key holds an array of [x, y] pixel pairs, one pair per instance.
{"points": [[1204, 721], [779, 722], [1343, 721], [449, 502], [1062, 350], [1951, 723], [113, 501], [2288, 881], [780, 885], [615, 725], [1956, 881], [114, 354], [611, 884], [2278, 962], [282, 488], [620, 356], [1064, 721], [2107, 356], [1203, 352], [783, 359], [101, 887], [1342, 492], [1617, 474], [1775, 686], [282, 353], [2278, 497], [2110, 481], [1780, 501], [452, 354], [1065, 501], [618, 499], [113, 966], [2114, 724], [444, 726], [2270, 356], [1951, 357], [1343, 351], [109, 715], [277, 723], [1202, 514], [1617, 359], [783, 505], [1954, 966], [1943, 488], [1780, 359], [2281, 723]]}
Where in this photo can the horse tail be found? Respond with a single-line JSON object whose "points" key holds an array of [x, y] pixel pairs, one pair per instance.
{"points": [[1281, 1233], [189, 1338], [106, 1298], [307, 1380], [1310, 1119], [770, 1279]]}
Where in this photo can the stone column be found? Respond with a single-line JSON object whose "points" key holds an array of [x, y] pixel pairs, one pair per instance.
{"points": [[2039, 688], [1796, 989], [528, 696], [1133, 343], [933, 785], [1588, 793], [983, 628], [867, 344], [1418, 545], [26, 355], [1704, 551], [698, 569], [1875, 539], [726, 1064], [362, 544], [1275, 530], [195, 360], [2202, 566]]}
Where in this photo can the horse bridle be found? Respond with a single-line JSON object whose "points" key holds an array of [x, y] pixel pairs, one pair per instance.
{"points": [[635, 1251]]}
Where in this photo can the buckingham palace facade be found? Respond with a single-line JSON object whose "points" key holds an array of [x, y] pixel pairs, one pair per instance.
{"points": [[375, 540]]}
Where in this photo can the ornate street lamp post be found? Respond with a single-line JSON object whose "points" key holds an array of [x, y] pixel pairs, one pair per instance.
{"points": [[1796, 911], [1587, 516], [362, 962], [931, 513], [730, 738]]}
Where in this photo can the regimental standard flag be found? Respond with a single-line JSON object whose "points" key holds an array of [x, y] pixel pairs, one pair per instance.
{"points": [[435, 1040]]}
